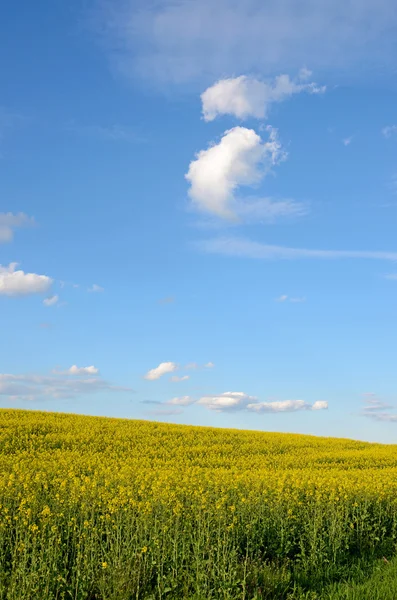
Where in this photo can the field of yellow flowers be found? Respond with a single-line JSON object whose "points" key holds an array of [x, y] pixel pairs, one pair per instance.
{"points": [[108, 509]]}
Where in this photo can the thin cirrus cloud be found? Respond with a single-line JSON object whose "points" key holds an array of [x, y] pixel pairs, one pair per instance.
{"points": [[240, 158], [9, 222], [234, 246], [95, 289], [389, 130], [15, 282], [28, 387], [377, 410], [177, 379], [180, 41], [285, 298], [246, 96], [236, 401], [193, 365], [162, 369], [51, 300]]}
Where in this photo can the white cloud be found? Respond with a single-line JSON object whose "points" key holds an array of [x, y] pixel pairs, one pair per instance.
{"points": [[287, 406], [189, 40], [181, 401], [285, 298], [231, 401], [95, 288], [75, 370], [227, 401], [320, 405], [241, 158], [233, 246], [246, 96], [10, 221], [389, 130], [176, 379], [193, 366], [268, 210], [27, 387], [162, 369], [347, 141], [51, 300], [19, 283]]}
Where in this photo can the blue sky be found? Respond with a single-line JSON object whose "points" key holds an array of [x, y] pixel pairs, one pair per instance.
{"points": [[198, 212]]}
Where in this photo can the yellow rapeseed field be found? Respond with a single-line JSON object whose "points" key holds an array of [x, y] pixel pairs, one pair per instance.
{"points": [[111, 509]]}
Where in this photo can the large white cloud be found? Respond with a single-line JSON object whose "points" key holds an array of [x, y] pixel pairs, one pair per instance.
{"points": [[162, 369], [246, 96], [10, 221], [19, 283], [241, 158]]}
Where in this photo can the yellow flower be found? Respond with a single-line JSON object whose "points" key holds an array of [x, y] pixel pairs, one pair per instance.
{"points": [[144, 549], [104, 565]]}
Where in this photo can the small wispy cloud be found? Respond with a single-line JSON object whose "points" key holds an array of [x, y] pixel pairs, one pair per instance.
{"points": [[392, 276], [376, 409], [95, 289], [177, 379], [347, 141], [162, 369], [285, 298], [389, 130], [51, 300], [10, 221], [193, 366], [110, 133], [234, 246]]}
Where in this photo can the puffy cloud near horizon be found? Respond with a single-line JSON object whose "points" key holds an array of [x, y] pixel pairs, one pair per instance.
{"points": [[19, 283], [162, 369], [10, 221], [287, 406], [247, 96], [240, 158], [236, 401], [181, 401]]}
